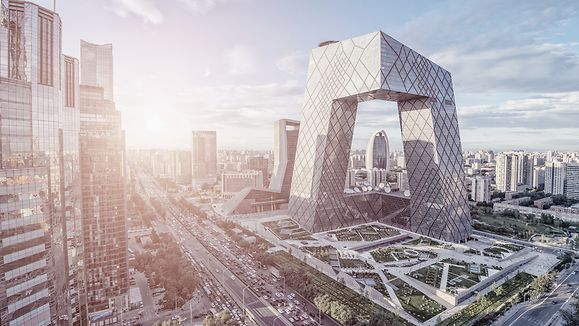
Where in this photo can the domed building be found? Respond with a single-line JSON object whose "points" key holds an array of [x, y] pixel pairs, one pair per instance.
{"points": [[377, 152]]}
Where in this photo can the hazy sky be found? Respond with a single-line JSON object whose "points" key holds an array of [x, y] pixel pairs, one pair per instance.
{"points": [[235, 66]]}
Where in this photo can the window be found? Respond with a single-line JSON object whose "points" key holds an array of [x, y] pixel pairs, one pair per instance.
{"points": [[45, 52], [69, 75]]}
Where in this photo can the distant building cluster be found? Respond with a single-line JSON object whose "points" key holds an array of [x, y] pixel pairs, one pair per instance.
{"points": [[555, 173]]}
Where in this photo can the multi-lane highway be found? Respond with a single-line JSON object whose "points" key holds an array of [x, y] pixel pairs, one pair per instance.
{"points": [[542, 312], [257, 308]]}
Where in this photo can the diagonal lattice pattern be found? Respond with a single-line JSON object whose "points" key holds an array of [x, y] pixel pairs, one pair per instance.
{"points": [[376, 66]]}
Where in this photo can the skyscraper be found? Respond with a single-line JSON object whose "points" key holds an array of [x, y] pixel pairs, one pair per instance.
{"points": [[538, 176], [555, 174], [572, 182], [102, 166], [39, 176], [505, 177], [376, 66], [285, 145], [377, 152], [204, 156]]}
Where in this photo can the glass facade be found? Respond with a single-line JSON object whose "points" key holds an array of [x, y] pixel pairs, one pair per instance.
{"points": [[377, 152], [375, 66], [38, 170], [102, 166]]}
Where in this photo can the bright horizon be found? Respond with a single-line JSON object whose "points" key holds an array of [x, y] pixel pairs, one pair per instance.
{"points": [[236, 66]]}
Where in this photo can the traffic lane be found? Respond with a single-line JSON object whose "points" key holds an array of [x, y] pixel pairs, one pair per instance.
{"points": [[546, 310], [235, 287], [146, 295]]}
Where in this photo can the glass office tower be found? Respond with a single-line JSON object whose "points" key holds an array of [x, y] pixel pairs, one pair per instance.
{"points": [[378, 151], [39, 173], [102, 165]]}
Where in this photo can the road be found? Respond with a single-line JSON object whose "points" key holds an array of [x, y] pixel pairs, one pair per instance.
{"points": [[541, 312], [259, 309], [146, 296]]}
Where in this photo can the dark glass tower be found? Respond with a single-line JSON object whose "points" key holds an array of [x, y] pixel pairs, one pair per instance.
{"points": [[378, 151], [102, 165]]}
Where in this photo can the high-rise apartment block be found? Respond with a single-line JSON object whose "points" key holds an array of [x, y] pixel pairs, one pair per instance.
{"points": [[480, 189], [102, 166], [572, 181], [513, 170], [204, 157], [555, 174], [538, 176]]}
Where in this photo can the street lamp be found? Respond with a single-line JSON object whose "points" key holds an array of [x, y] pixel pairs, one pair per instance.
{"points": [[243, 300]]}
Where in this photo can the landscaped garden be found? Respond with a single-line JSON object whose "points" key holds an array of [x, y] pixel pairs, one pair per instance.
{"points": [[491, 302], [415, 302], [371, 279], [287, 229], [386, 255], [430, 275], [365, 233], [321, 253], [311, 284], [423, 241], [354, 263]]}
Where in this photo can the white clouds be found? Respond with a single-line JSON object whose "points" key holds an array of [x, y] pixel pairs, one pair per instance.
{"points": [[240, 60], [243, 115], [529, 68], [295, 63], [145, 9], [202, 6], [549, 111]]}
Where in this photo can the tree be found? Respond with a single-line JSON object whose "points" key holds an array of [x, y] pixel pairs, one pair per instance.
{"points": [[499, 291], [223, 318], [337, 310], [542, 284], [379, 319]]}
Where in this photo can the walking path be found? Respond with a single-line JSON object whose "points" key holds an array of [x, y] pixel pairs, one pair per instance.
{"points": [[444, 278]]}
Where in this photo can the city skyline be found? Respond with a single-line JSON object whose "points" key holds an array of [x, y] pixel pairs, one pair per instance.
{"points": [[169, 167], [263, 73]]}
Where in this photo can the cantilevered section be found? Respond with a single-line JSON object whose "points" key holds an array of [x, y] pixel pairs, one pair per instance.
{"points": [[376, 66]]}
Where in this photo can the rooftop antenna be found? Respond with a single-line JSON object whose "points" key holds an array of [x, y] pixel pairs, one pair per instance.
{"points": [[54, 5]]}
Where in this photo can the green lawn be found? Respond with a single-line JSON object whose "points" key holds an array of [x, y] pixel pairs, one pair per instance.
{"points": [[493, 302], [354, 263], [311, 283], [516, 223], [430, 275], [415, 302]]}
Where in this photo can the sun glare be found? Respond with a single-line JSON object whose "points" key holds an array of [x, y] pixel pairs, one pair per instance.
{"points": [[153, 125]]}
